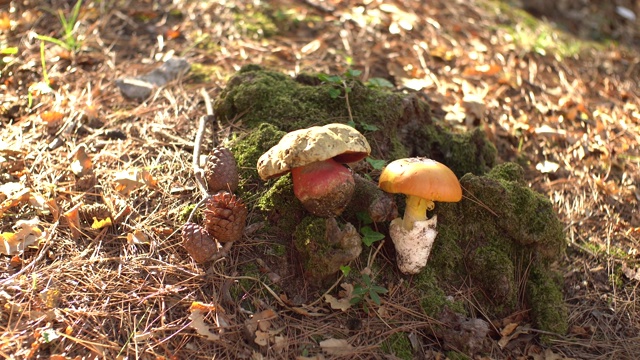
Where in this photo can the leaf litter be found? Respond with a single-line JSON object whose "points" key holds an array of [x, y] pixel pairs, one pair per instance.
{"points": [[576, 117]]}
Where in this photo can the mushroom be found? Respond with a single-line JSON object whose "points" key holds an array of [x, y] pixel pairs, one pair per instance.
{"points": [[315, 158], [423, 181]]}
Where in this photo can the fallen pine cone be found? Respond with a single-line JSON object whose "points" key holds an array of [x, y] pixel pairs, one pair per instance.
{"points": [[225, 217], [221, 171], [198, 243], [99, 211]]}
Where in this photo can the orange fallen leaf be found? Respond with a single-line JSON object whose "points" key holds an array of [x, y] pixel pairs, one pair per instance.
{"points": [[51, 117], [80, 162], [27, 234], [72, 218]]}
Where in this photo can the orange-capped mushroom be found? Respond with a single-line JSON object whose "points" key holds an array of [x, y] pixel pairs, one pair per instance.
{"points": [[423, 181]]}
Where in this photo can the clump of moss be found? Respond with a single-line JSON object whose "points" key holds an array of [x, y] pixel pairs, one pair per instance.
{"points": [[248, 148], [283, 209], [398, 344], [545, 298], [489, 239], [325, 246], [469, 152]]}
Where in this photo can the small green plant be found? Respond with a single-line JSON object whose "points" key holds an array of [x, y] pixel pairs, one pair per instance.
{"points": [[377, 164], [343, 87], [369, 236], [367, 290], [69, 39]]}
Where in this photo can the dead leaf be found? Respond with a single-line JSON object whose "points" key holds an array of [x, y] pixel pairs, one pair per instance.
{"points": [[482, 70], [28, 233], [336, 347], [262, 338], [100, 223], [198, 311], [547, 167], [72, 217], [80, 162], [311, 47], [344, 303], [632, 274], [507, 330], [127, 181], [137, 237], [52, 118]]}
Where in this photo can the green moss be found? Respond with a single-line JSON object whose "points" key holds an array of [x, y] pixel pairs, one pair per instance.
{"points": [[203, 73], [433, 298], [398, 344], [468, 152], [186, 211], [248, 148], [256, 22], [493, 270], [324, 246], [499, 227], [544, 295], [282, 208]]}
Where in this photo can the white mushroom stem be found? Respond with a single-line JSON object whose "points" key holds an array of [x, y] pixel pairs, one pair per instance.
{"points": [[416, 210], [413, 246]]}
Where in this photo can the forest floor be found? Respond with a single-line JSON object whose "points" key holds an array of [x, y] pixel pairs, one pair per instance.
{"points": [[560, 98]]}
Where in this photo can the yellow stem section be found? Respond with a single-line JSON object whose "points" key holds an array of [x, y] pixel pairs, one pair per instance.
{"points": [[416, 210]]}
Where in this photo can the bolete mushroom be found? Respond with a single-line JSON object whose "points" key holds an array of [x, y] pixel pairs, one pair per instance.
{"points": [[423, 181], [315, 158]]}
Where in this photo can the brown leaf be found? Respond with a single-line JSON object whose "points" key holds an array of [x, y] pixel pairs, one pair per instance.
{"points": [[28, 233], [80, 162], [344, 303], [336, 347]]}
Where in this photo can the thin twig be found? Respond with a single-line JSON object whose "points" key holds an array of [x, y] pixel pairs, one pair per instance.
{"points": [[198, 172]]}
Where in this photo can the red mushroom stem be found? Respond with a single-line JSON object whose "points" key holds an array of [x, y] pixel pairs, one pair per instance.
{"points": [[320, 179]]}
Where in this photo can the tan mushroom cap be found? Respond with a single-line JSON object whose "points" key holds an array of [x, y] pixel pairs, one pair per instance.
{"points": [[421, 177], [319, 143]]}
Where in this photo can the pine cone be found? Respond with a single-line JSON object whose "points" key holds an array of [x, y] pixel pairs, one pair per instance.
{"points": [[198, 243], [225, 217], [221, 171], [98, 211]]}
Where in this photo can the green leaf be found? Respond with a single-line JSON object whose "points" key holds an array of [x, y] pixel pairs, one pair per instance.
{"points": [[346, 269], [359, 291], [375, 297], [376, 164], [369, 236], [347, 89], [334, 79], [334, 93], [369, 127], [379, 82], [367, 280], [351, 73], [355, 300], [379, 289], [351, 123]]}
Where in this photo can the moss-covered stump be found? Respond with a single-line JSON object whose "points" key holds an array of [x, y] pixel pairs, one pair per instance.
{"points": [[500, 239], [500, 236], [325, 246]]}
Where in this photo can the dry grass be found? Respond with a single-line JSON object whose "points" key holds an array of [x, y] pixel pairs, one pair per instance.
{"points": [[108, 298]]}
